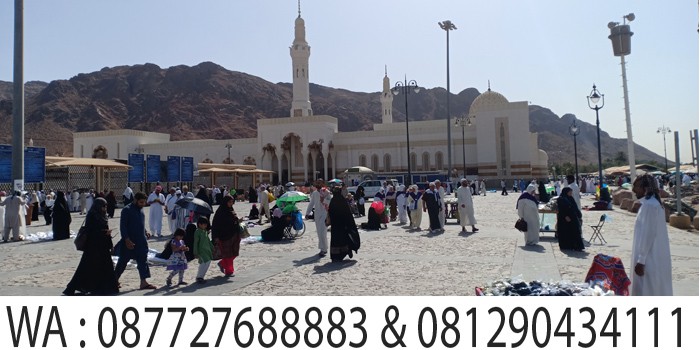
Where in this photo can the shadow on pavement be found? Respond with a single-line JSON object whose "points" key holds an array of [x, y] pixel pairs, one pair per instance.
{"points": [[310, 260], [333, 266], [533, 248]]}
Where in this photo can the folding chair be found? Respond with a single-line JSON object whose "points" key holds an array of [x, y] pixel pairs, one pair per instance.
{"points": [[598, 231]]}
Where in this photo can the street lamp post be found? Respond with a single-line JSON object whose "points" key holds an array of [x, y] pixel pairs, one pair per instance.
{"points": [[593, 100], [574, 130], [406, 88], [447, 26], [228, 147], [663, 130], [463, 122]]}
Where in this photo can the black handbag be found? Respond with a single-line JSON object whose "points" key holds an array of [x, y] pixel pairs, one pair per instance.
{"points": [[81, 238], [521, 225]]}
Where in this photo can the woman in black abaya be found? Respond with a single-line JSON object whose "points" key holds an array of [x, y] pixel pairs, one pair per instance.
{"points": [[95, 272], [568, 222], [60, 225], [344, 236]]}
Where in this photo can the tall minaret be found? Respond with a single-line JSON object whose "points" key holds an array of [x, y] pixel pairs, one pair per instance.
{"points": [[386, 98], [300, 52]]}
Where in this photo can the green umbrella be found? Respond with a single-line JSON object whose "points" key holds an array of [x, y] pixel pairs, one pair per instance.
{"points": [[292, 196]]}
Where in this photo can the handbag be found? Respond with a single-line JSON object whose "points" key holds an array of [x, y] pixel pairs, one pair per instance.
{"points": [[80, 240], [521, 225]]}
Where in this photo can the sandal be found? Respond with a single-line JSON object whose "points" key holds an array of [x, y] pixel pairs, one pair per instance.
{"points": [[148, 286]]}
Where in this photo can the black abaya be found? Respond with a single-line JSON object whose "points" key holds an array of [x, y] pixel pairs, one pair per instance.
{"points": [[60, 224], [569, 233], [344, 237], [95, 272]]}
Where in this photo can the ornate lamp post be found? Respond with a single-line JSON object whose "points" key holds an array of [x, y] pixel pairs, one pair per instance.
{"points": [[228, 147], [463, 122], [593, 100], [447, 26], [406, 87], [663, 130], [574, 130]]}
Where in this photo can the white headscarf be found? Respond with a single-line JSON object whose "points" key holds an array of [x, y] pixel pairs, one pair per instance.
{"points": [[531, 189]]}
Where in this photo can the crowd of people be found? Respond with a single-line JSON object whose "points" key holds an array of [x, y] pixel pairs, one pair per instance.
{"points": [[329, 206]]}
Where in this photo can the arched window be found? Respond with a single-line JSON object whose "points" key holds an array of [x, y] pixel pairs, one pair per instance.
{"points": [[426, 161], [363, 160], [387, 162], [414, 161], [503, 149], [375, 162], [438, 161]]}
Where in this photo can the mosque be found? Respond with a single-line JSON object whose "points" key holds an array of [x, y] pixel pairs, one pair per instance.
{"points": [[305, 146]]}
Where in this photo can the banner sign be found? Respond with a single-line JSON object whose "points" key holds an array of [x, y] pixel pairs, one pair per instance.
{"points": [[153, 168], [173, 169], [136, 171]]}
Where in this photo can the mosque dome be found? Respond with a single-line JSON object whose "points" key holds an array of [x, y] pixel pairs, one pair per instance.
{"points": [[487, 99]]}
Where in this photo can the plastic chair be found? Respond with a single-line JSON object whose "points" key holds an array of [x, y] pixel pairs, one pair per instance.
{"points": [[598, 231]]}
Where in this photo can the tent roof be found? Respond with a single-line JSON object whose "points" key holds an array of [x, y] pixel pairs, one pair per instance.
{"points": [[91, 162]]}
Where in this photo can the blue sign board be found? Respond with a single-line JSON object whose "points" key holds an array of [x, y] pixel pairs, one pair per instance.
{"points": [[34, 165], [173, 169], [136, 171], [187, 169], [153, 168], [5, 164]]}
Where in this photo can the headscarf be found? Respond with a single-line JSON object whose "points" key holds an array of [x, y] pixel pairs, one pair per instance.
{"points": [[96, 213], [649, 185], [225, 223], [528, 194], [339, 208], [60, 202]]}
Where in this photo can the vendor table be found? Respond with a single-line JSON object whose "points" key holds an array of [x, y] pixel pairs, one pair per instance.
{"points": [[548, 220]]}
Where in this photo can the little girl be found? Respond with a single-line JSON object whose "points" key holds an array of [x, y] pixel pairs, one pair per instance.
{"points": [[202, 247], [177, 264]]}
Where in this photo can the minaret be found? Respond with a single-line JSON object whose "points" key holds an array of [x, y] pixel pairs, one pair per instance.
{"points": [[386, 98], [300, 52]]}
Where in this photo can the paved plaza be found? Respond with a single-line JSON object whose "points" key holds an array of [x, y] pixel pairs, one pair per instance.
{"points": [[390, 262]]}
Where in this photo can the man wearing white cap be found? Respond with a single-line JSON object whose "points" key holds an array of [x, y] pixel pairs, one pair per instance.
{"points": [[441, 214], [155, 214], [170, 200], [466, 207]]}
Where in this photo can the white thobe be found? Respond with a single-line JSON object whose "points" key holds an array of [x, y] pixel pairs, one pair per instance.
{"points": [[557, 187], [170, 209], [264, 205], [320, 199], [465, 206], [651, 248], [401, 204], [416, 210], [576, 193], [76, 198], [527, 210], [155, 214], [14, 216], [89, 199]]}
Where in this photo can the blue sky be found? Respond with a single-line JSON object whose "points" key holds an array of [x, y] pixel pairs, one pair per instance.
{"points": [[548, 52]]}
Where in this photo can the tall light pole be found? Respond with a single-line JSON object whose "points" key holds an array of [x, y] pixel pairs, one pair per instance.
{"points": [[447, 26], [228, 147], [593, 100], [18, 100], [621, 37], [574, 130], [406, 88], [663, 130], [463, 122]]}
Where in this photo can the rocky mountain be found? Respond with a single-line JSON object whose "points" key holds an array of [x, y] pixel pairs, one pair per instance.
{"points": [[209, 101]]}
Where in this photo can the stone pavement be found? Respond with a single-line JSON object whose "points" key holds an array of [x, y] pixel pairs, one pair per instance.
{"points": [[390, 262]]}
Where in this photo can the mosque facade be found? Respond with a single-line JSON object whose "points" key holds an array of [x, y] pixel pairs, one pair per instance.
{"points": [[305, 146]]}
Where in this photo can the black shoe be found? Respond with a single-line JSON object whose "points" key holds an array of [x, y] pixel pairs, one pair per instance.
{"points": [[221, 268], [321, 254], [201, 281], [68, 292], [350, 254]]}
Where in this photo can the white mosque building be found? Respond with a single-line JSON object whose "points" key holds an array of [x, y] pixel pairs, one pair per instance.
{"points": [[305, 146]]}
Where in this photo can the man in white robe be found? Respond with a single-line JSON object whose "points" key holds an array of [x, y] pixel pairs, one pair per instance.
{"points": [[401, 204], [482, 188], [575, 191], [75, 199], [527, 210], [320, 199], [466, 207], [264, 204], [170, 200], [413, 201], [14, 216], [651, 252], [155, 215], [441, 191]]}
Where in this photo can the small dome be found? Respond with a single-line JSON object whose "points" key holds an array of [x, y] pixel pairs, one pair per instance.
{"points": [[487, 99]]}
